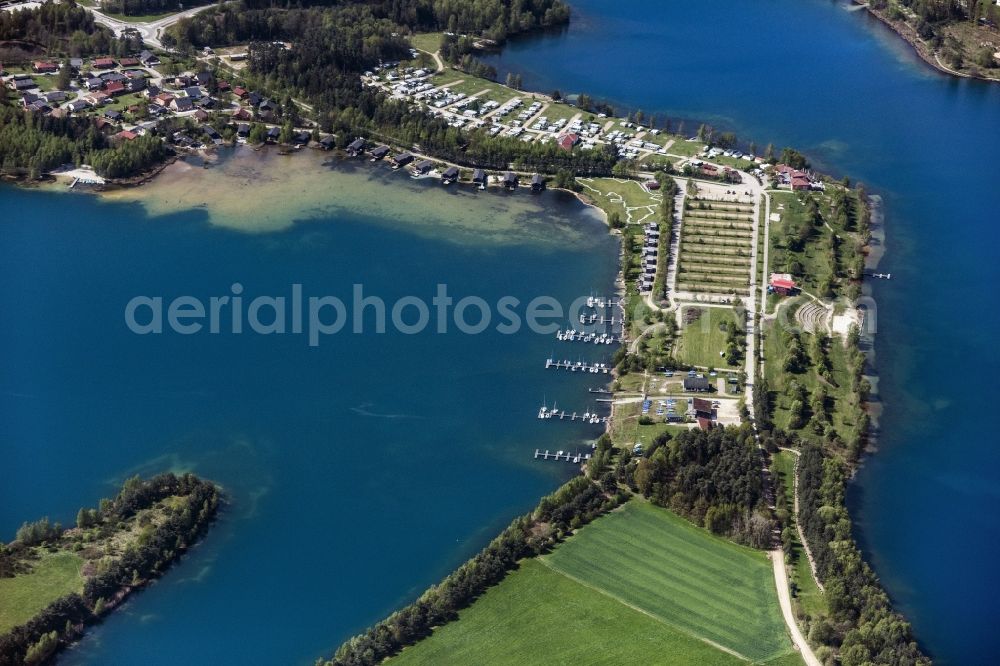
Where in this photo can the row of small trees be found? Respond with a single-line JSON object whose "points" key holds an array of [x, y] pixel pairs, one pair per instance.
{"points": [[574, 504]]}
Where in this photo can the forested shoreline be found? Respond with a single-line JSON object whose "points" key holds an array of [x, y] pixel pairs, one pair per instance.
{"points": [[160, 518]]}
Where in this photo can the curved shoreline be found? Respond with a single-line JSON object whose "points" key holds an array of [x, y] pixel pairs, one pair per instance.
{"points": [[906, 32]]}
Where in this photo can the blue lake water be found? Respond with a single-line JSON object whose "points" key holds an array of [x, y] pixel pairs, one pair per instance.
{"points": [[838, 85], [359, 471]]}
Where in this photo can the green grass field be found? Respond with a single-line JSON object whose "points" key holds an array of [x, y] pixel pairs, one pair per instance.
{"points": [[702, 340], [639, 586], [426, 41], [52, 576], [539, 616], [626, 197]]}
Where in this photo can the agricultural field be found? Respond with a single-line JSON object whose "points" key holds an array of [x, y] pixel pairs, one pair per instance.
{"points": [[633, 586], [52, 575], [702, 339], [705, 586], [716, 245]]}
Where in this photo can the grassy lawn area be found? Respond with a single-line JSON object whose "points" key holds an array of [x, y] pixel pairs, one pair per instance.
{"points": [[426, 41], [702, 340], [626, 197], [630, 588], [804, 588], [839, 389], [52, 576], [816, 260]]}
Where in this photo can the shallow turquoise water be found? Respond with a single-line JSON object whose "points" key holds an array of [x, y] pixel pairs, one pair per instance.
{"points": [[842, 88], [359, 471]]}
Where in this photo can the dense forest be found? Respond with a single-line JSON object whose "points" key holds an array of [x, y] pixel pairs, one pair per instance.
{"points": [[145, 7], [712, 478], [31, 145], [960, 31], [65, 618], [574, 504], [58, 29], [862, 625]]}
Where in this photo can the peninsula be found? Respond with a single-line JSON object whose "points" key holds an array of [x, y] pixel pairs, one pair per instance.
{"points": [[958, 38], [54, 581]]}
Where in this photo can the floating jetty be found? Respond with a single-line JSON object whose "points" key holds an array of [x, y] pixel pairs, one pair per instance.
{"points": [[566, 456], [601, 302], [599, 319], [556, 413], [573, 335], [600, 390], [579, 366]]}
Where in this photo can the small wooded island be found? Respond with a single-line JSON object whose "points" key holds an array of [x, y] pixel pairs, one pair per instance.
{"points": [[55, 581]]}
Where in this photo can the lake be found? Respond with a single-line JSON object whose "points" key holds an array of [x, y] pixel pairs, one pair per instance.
{"points": [[358, 471]]}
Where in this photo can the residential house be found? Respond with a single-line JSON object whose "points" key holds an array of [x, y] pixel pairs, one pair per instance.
{"points": [[114, 88], [510, 180], [378, 152], [44, 67], [149, 59], [103, 63], [356, 147], [423, 167], [479, 177], [450, 175], [267, 109], [537, 183], [182, 104]]}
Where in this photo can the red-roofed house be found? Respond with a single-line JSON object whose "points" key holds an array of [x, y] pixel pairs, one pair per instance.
{"points": [[800, 181], [704, 424], [114, 88], [222, 86], [240, 91], [127, 135], [164, 99], [104, 63], [45, 67], [567, 141], [129, 62], [782, 283]]}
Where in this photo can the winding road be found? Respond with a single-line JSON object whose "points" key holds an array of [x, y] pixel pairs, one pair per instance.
{"points": [[785, 600]]}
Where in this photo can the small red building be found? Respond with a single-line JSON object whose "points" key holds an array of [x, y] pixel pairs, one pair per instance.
{"points": [[45, 67], [567, 141], [104, 63], [782, 283]]}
